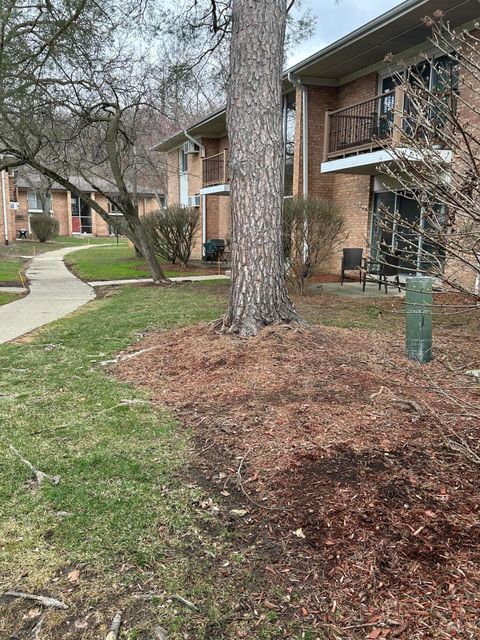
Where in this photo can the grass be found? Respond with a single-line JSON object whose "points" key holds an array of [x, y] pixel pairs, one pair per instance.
{"points": [[10, 269], [5, 298], [63, 412], [113, 263], [33, 247]]}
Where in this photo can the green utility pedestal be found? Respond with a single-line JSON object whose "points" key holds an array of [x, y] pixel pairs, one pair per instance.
{"points": [[419, 299]]}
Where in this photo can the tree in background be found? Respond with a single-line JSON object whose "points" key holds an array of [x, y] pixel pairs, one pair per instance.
{"points": [[439, 126], [40, 186], [172, 232], [313, 229], [75, 102]]}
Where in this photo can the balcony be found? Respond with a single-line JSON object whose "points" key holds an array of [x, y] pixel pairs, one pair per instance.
{"points": [[363, 127], [215, 170]]}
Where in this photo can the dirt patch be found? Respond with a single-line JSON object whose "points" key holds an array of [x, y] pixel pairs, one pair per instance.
{"points": [[343, 453]]}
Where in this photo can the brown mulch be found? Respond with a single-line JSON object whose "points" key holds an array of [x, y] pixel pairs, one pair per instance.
{"points": [[357, 465]]}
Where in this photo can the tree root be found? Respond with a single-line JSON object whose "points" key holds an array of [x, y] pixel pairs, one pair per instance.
{"points": [[40, 476], [43, 600], [35, 633], [115, 627]]}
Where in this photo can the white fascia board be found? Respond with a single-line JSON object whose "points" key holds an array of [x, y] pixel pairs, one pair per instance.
{"points": [[375, 159], [352, 162], [218, 189]]}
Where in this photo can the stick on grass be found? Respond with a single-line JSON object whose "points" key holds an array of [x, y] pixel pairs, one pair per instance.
{"points": [[40, 476], [115, 627], [43, 600]]}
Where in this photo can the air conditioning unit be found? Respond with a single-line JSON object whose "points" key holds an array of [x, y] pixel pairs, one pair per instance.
{"points": [[191, 147], [194, 201], [14, 205]]}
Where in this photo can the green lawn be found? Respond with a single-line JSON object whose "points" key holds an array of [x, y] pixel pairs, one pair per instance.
{"points": [[113, 263], [33, 247], [5, 298], [65, 414], [9, 270]]}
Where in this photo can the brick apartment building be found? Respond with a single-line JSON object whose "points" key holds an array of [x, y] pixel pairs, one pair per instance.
{"points": [[326, 155], [22, 201], [7, 215]]}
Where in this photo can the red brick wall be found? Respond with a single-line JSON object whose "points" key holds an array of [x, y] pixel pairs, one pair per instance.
{"points": [[6, 182]]}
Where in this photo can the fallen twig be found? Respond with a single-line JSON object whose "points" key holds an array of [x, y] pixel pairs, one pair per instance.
{"points": [[159, 633], [35, 633], [238, 475], [463, 448], [115, 627], [40, 476], [184, 601], [43, 600]]}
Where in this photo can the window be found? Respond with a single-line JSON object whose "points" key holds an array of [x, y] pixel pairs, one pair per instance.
{"points": [[439, 75], [183, 160], [113, 209], [35, 202]]}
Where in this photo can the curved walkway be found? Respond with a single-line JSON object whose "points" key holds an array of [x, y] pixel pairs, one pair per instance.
{"points": [[54, 293]]}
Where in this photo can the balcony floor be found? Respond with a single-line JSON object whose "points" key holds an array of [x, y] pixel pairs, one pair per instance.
{"points": [[216, 190], [369, 164]]}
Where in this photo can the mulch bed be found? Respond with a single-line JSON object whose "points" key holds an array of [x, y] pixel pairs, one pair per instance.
{"points": [[357, 466]]}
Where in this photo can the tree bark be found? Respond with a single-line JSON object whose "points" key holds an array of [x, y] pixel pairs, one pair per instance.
{"points": [[259, 294], [146, 248]]}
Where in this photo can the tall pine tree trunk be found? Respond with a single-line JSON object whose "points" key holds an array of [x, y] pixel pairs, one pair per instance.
{"points": [[259, 294]]}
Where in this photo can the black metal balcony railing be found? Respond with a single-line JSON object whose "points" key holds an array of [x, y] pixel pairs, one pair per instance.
{"points": [[215, 169], [364, 125]]}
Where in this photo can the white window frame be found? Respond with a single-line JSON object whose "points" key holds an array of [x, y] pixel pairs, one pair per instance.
{"points": [[37, 209]]}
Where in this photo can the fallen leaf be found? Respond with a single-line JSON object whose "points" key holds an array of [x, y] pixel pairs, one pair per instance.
{"points": [[238, 512], [74, 576], [374, 634]]}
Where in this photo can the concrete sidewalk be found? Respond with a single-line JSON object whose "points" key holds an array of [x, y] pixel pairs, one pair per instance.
{"points": [[114, 283], [54, 293]]}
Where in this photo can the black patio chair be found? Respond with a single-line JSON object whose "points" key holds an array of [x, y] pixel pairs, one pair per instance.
{"points": [[387, 266], [214, 249], [352, 261]]}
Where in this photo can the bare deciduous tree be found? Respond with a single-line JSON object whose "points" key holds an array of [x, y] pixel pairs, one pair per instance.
{"points": [[435, 146], [70, 100], [313, 229]]}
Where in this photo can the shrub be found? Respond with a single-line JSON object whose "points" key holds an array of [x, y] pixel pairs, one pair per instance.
{"points": [[313, 229], [44, 227], [172, 232]]}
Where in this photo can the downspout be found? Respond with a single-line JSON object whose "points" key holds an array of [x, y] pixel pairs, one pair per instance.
{"points": [[5, 215], [199, 144], [304, 91], [204, 223], [204, 198]]}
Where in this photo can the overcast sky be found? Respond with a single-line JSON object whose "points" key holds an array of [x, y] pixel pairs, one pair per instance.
{"points": [[336, 19]]}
